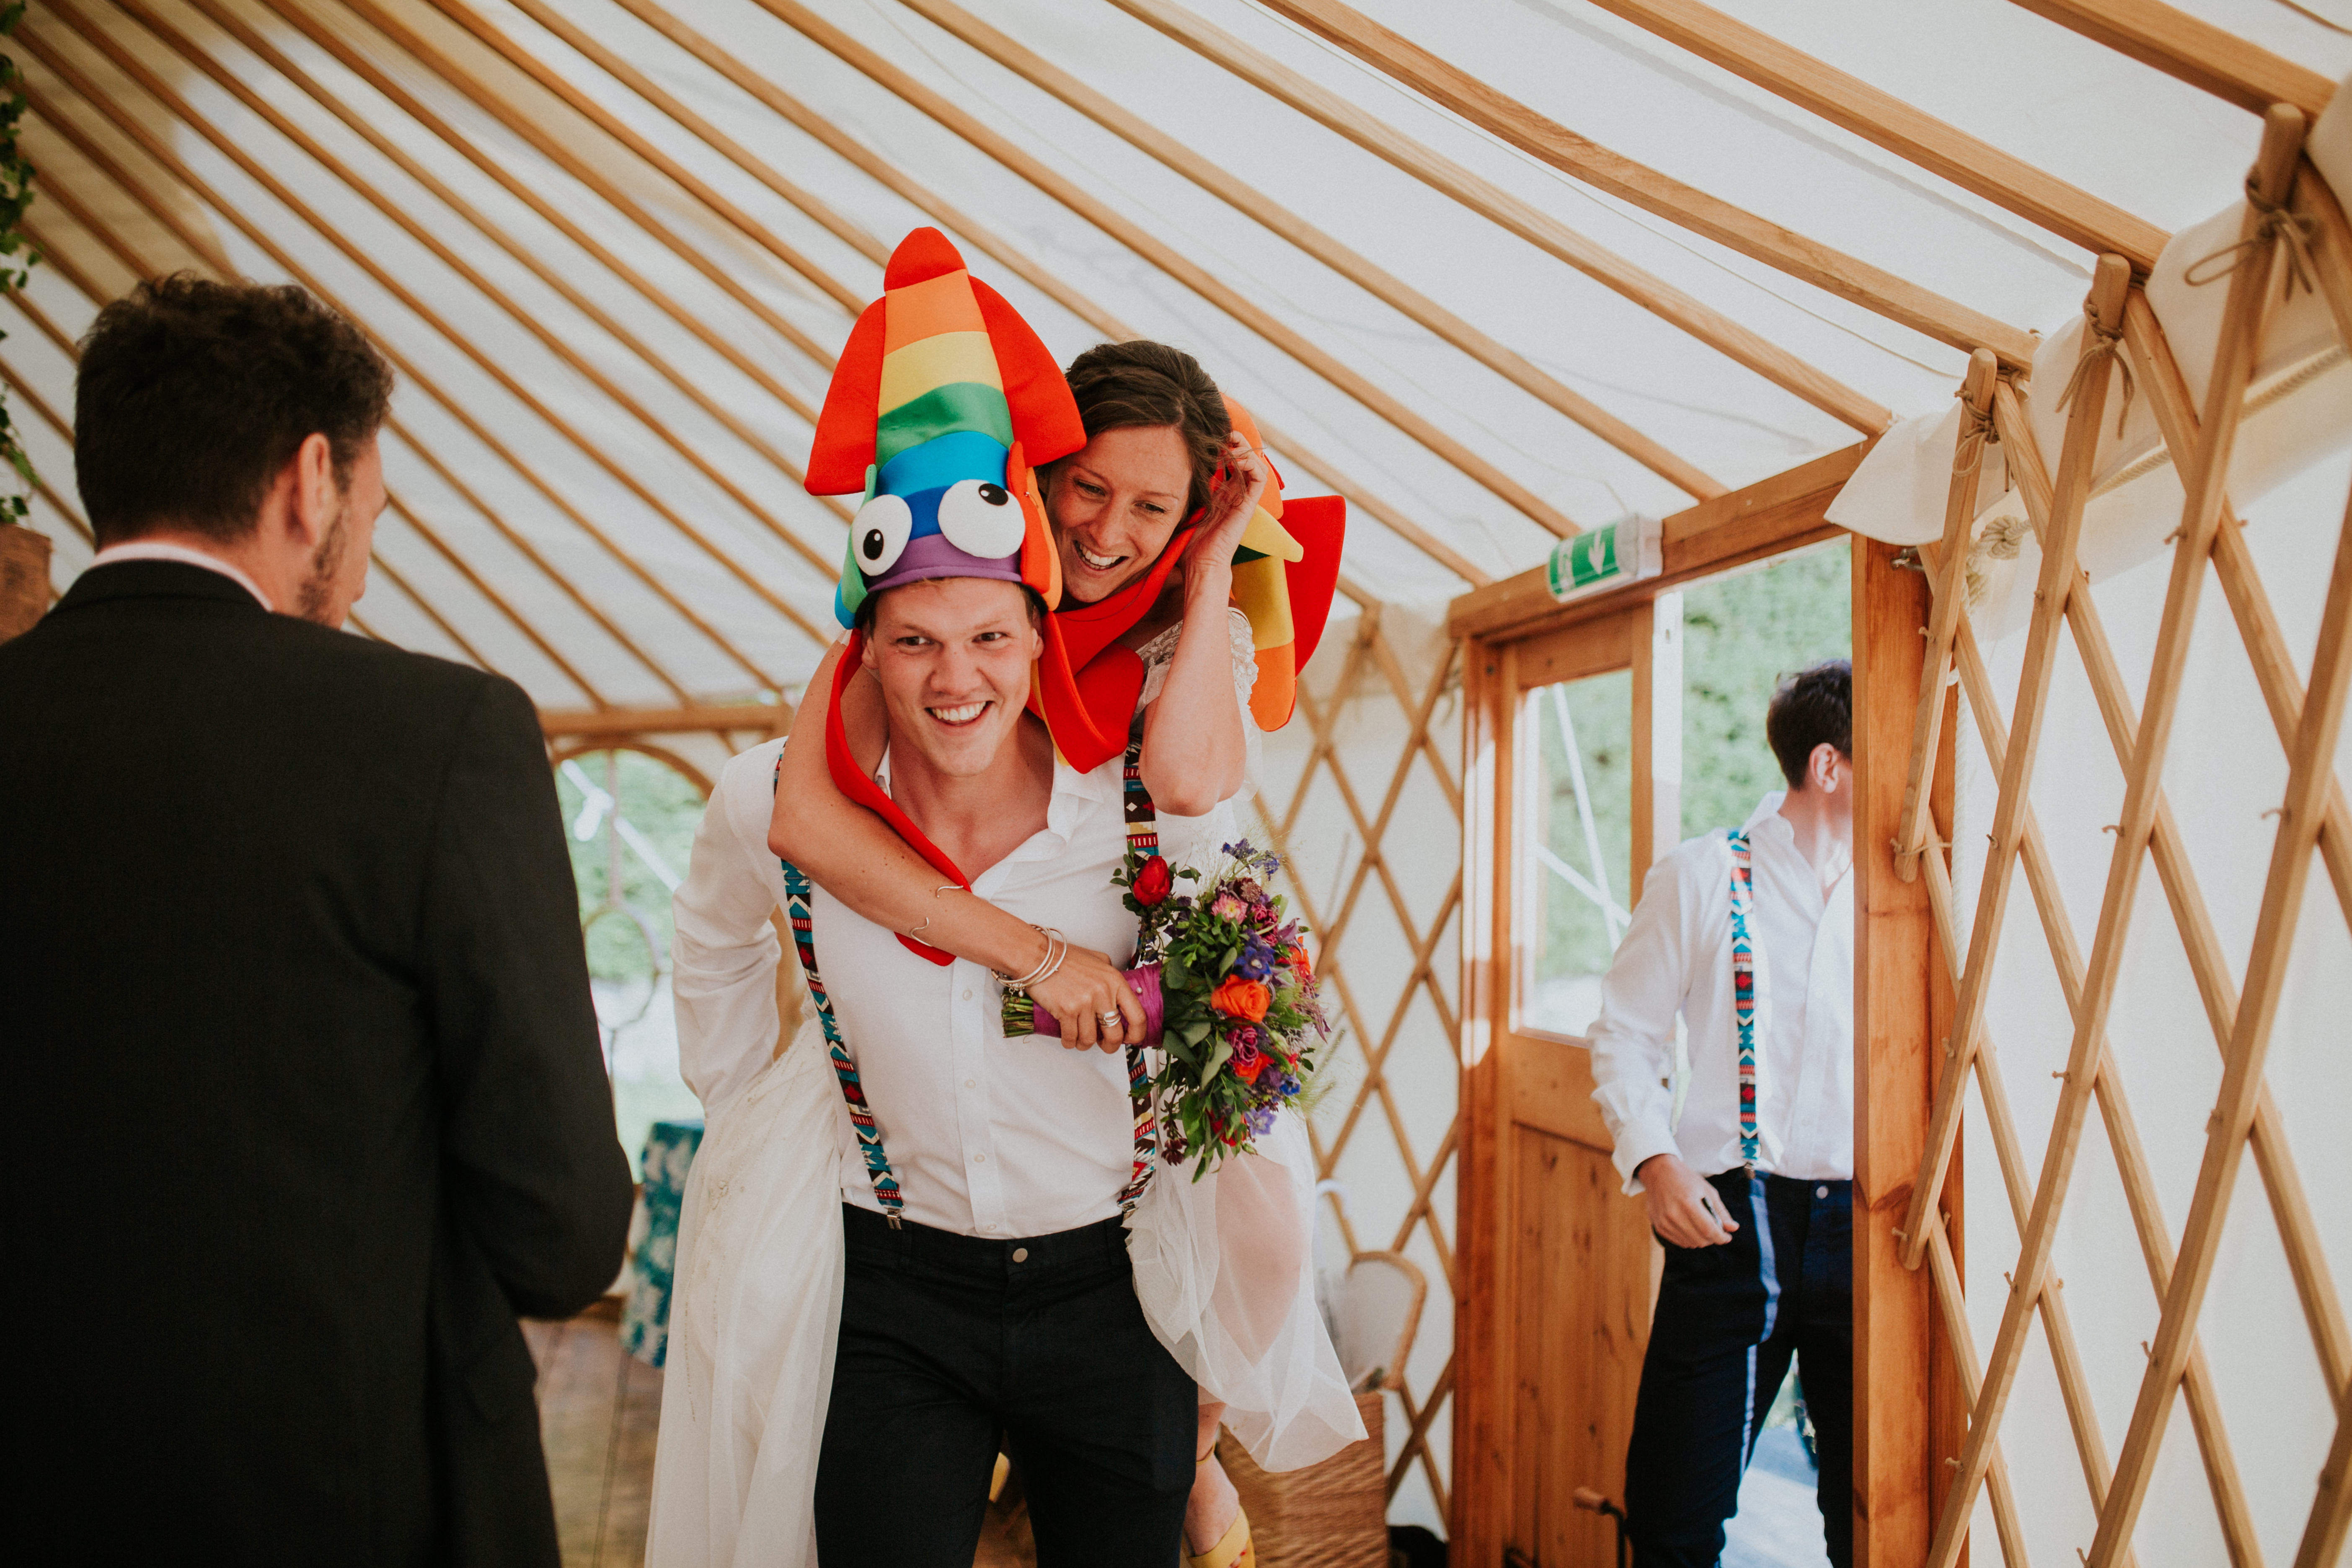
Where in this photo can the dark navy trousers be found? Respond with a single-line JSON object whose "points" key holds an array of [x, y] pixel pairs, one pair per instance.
{"points": [[951, 1345], [1729, 1318]]}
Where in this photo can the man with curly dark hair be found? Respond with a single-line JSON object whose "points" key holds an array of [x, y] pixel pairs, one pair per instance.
{"points": [[294, 978]]}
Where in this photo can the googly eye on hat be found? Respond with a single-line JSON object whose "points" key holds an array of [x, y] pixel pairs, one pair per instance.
{"points": [[943, 404]]}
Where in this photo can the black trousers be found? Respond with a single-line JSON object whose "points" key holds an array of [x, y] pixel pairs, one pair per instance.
{"points": [[1730, 1318], [951, 1345]]}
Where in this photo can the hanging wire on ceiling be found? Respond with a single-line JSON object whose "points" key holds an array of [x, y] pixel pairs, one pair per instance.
{"points": [[2308, 14], [1275, 291], [1624, 211], [1899, 174]]}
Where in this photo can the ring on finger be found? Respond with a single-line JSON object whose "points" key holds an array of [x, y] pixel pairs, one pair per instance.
{"points": [[1109, 1019]]}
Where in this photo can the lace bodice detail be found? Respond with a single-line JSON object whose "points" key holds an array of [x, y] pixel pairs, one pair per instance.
{"points": [[1161, 652]]}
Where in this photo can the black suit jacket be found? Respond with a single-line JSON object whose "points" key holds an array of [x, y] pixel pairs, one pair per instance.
{"points": [[311, 1104]]}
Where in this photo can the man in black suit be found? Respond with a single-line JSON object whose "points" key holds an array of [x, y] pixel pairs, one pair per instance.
{"points": [[297, 1022]]}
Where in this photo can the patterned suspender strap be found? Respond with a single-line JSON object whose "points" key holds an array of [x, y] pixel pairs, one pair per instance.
{"points": [[1142, 836], [1743, 989], [844, 1069]]}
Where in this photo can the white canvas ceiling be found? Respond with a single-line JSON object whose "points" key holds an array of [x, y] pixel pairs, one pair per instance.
{"points": [[606, 316]]}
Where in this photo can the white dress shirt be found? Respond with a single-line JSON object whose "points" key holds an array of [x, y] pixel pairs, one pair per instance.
{"points": [[157, 550], [1676, 958], [987, 1136]]}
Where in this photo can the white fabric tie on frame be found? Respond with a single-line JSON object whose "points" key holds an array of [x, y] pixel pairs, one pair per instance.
{"points": [[2300, 387]]}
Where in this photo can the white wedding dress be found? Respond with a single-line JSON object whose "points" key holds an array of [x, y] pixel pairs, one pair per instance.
{"points": [[1222, 1267]]}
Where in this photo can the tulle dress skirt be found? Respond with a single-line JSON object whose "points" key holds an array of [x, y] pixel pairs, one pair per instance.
{"points": [[753, 1317]]}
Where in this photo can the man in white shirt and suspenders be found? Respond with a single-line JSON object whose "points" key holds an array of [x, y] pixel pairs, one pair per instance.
{"points": [[988, 1299], [1745, 1154]]}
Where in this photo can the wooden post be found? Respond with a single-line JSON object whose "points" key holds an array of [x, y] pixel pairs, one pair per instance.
{"points": [[23, 579], [1483, 1401], [1898, 982]]}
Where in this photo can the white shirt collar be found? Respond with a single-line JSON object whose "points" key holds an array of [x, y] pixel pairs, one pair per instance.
{"points": [[1767, 813], [157, 550]]}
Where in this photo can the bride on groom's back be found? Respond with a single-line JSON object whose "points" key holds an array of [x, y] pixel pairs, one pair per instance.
{"points": [[954, 1149]]}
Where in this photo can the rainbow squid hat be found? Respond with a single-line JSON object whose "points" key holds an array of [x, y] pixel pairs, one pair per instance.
{"points": [[1286, 570], [943, 404]]}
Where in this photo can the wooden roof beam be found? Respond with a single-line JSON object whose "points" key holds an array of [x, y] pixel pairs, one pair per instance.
{"points": [[368, 130], [617, 65], [139, 266], [200, 247], [536, 135], [1581, 158], [1136, 238], [504, 45], [2042, 199], [360, 65], [619, 723], [1341, 259], [186, 48], [941, 211], [1773, 514], [1499, 206], [40, 406], [72, 350], [360, 255], [2194, 51]]}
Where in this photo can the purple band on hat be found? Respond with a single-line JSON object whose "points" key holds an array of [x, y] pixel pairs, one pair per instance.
{"points": [[931, 556]]}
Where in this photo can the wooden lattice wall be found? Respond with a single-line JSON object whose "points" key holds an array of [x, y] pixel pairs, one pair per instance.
{"points": [[2294, 236], [1363, 800]]}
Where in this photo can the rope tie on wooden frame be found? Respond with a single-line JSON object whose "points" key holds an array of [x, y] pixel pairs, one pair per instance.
{"points": [[2273, 224], [1977, 433], [2101, 348]]}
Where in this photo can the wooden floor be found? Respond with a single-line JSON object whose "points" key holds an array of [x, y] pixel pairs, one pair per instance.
{"points": [[598, 1413]]}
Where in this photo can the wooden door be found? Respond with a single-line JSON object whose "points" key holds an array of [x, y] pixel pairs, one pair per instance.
{"points": [[1574, 736]]}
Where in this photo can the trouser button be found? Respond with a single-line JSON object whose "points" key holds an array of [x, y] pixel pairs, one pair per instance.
{"points": [[1821, 1192], [1021, 1254]]}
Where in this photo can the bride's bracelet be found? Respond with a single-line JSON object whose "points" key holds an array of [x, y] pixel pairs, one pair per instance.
{"points": [[1058, 948]]}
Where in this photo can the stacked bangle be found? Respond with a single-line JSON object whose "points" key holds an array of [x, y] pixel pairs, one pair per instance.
{"points": [[1058, 948]]}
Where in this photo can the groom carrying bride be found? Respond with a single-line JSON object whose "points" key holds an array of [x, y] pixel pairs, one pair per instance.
{"points": [[987, 1299], [906, 1231]]}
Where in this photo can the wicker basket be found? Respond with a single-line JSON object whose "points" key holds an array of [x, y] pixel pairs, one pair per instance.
{"points": [[1328, 1515]]}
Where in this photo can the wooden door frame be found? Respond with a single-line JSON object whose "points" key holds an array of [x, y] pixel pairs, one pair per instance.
{"points": [[1905, 1386]]}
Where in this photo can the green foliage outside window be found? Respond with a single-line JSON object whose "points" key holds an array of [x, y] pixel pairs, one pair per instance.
{"points": [[664, 806], [1740, 635]]}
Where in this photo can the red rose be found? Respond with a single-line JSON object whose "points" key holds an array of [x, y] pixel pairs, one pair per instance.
{"points": [[1152, 881], [1240, 998]]}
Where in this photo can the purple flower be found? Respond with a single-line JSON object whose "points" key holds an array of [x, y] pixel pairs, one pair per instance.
{"points": [[1261, 1121], [1246, 1062]]}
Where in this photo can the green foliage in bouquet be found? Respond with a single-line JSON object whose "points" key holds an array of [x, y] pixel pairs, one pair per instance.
{"points": [[1243, 1019]]}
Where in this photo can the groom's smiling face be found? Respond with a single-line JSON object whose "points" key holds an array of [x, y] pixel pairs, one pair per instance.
{"points": [[953, 655]]}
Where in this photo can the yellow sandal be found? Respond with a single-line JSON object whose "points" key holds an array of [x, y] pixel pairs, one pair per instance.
{"points": [[1233, 1549]]}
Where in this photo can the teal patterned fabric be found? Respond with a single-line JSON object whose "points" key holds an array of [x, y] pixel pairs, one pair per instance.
{"points": [[653, 1241]]}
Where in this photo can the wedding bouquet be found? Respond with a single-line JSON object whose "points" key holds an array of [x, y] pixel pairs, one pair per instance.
{"points": [[1228, 993]]}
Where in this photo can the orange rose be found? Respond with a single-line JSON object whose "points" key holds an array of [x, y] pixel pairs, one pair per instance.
{"points": [[1240, 998]]}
